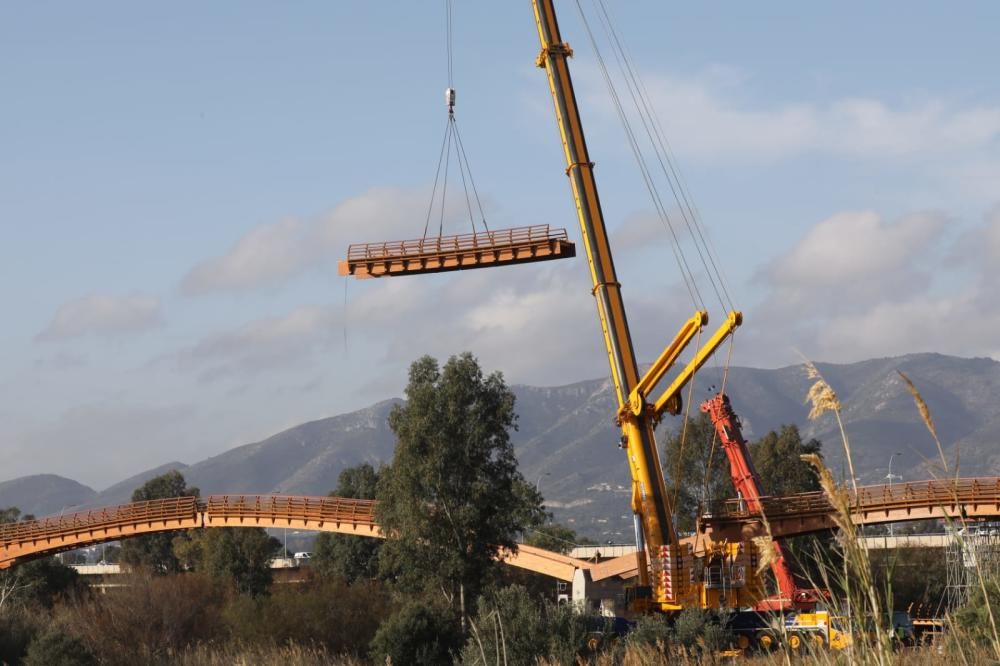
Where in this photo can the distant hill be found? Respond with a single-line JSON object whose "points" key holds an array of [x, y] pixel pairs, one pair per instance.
{"points": [[567, 442], [43, 494], [122, 491]]}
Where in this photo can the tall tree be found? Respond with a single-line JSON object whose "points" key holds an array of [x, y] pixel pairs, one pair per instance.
{"points": [[453, 498], [240, 555], [345, 555], [155, 551], [778, 459], [13, 514]]}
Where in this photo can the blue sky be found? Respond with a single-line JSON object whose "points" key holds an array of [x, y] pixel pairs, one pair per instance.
{"points": [[178, 181]]}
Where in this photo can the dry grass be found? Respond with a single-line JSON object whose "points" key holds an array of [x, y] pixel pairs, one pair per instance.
{"points": [[925, 416], [240, 655], [861, 598]]}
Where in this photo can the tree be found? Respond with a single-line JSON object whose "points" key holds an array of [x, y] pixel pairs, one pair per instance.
{"points": [[552, 536], [453, 499], [343, 555], [418, 633], [695, 469], [155, 551], [241, 555], [778, 459], [12, 514]]}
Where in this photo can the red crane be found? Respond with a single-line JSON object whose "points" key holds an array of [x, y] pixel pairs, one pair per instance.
{"points": [[747, 483]]}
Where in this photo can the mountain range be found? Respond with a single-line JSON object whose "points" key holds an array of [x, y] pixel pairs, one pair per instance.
{"points": [[567, 443]]}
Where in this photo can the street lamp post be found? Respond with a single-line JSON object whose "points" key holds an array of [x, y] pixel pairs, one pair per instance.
{"points": [[892, 476]]}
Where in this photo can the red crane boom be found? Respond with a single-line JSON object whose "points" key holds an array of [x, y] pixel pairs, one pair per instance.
{"points": [[747, 483]]}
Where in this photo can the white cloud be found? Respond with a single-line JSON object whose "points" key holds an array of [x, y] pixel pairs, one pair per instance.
{"points": [[265, 253], [710, 118], [857, 287], [272, 253], [854, 259], [264, 344], [103, 315]]}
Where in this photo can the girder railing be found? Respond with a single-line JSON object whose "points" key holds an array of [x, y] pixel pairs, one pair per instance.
{"points": [[126, 515], [975, 498], [976, 491], [280, 507]]}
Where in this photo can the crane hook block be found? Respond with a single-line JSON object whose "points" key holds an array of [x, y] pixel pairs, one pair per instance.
{"points": [[449, 99]]}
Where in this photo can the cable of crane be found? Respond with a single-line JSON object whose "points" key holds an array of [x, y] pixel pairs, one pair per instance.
{"points": [[666, 152], [655, 137], [686, 273], [430, 254]]}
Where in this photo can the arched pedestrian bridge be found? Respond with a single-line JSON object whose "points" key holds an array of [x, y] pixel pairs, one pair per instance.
{"points": [[960, 499], [36, 538]]}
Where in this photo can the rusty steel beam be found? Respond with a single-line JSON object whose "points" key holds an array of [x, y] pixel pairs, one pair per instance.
{"points": [[439, 254]]}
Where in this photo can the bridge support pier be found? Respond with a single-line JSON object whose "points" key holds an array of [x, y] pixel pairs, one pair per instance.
{"points": [[606, 596]]}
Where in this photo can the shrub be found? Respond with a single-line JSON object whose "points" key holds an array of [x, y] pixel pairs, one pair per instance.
{"points": [[148, 617], [55, 647], [417, 634], [339, 617], [513, 627], [17, 629]]}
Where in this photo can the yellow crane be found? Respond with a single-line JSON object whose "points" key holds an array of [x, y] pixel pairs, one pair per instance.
{"points": [[673, 574], [676, 577]]}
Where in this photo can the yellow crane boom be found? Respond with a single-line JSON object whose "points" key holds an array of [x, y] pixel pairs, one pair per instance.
{"points": [[661, 586]]}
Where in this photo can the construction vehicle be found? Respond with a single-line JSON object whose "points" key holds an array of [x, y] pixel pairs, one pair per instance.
{"points": [[671, 577], [749, 488]]}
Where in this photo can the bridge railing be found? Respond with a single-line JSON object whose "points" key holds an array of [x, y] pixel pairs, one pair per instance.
{"points": [[313, 509], [125, 515], [933, 493]]}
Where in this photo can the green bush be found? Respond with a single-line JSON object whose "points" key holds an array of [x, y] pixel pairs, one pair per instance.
{"points": [[974, 618], [651, 631], [418, 634], [512, 627], [702, 630], [55, 647], [329, 613]]}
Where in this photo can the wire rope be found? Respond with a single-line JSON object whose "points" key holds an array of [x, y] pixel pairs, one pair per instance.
{"points": [[472, 181], [677, 249], [444, 183], [452, 141], [437, 174], [644, 111]]}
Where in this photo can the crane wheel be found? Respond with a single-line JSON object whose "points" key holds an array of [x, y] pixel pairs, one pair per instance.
{"points": [[796, 642], [743, 642], [766, 641], [817, 642]]}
